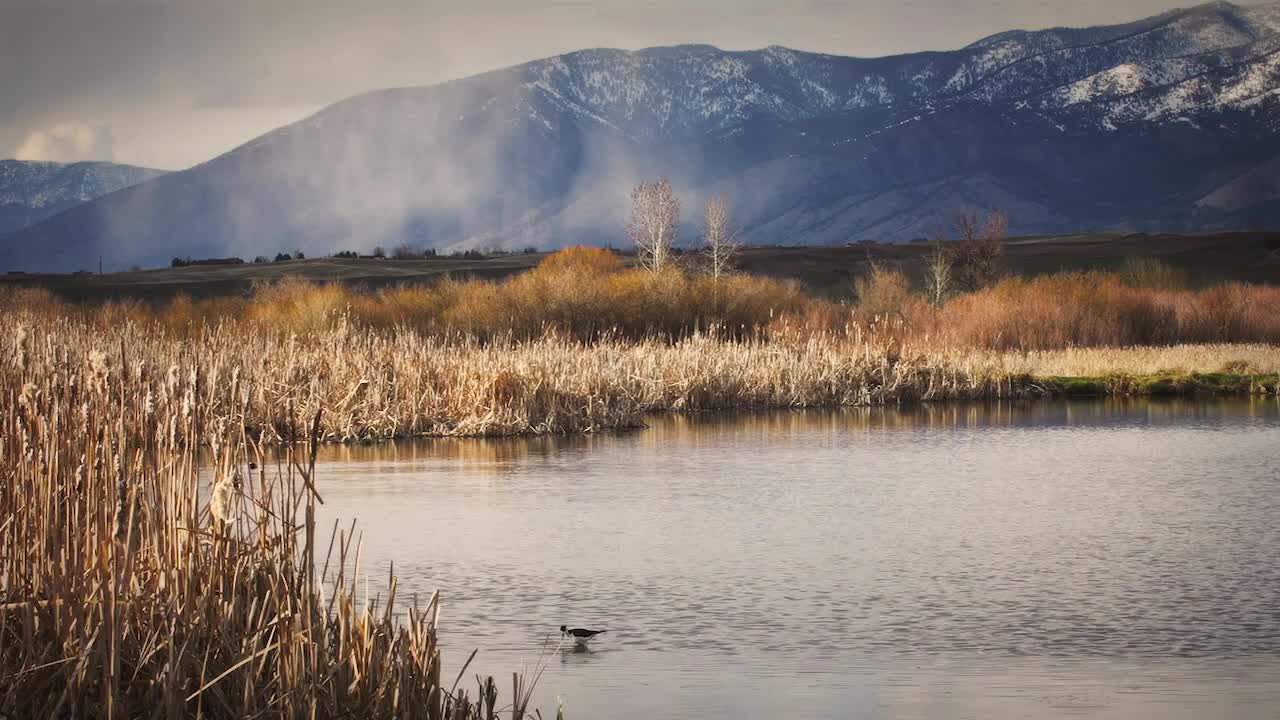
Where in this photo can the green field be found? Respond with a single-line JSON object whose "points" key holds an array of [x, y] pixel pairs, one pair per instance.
{"points": [[830, 271]]}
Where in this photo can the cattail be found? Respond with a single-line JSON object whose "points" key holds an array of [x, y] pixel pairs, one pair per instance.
{"points": [[20, 345], [98, 365], [122, 510], [225, 490], [27, 399]]}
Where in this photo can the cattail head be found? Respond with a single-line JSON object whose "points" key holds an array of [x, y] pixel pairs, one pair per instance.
{"points": [[222, 501], [97, 361], [27, 399], [122, 510], [98, 372], [20, 346]]}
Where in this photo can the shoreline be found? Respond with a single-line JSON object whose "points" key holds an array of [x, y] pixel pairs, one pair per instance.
{"points": [[1190, 384]]}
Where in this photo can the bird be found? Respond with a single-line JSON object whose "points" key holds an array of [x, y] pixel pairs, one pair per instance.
{"points": [[580, 636]]}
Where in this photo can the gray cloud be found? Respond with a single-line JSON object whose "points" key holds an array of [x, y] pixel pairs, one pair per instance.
{"points": [[171, 83]]}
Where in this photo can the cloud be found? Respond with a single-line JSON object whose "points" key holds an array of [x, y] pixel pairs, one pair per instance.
{"points": [[68, 142]]}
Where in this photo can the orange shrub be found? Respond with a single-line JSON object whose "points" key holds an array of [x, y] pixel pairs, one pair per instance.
{"points": [[1097, 309], [588, 294]]}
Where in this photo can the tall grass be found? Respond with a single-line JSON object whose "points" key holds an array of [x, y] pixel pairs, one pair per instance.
{"points": [[375, 385], [129, 588]]}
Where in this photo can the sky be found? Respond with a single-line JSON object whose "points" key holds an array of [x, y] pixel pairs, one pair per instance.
{"points": [[172, 83]]}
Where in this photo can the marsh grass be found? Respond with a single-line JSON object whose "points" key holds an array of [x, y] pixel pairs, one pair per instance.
{"points": [[129, 590], [374, 385]]}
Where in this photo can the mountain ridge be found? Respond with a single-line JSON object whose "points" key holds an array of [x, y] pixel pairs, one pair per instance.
{"points": [[32, 190], [1145, 125]]}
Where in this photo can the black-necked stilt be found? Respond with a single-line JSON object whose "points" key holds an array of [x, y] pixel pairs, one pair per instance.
{"points": [[580, 636]]}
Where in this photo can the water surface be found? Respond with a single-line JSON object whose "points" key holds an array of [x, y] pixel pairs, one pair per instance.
{"points": [[1111, 559]]}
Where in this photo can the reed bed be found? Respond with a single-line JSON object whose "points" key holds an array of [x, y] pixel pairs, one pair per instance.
{"points": [[129, 590], [369, 385], [1223, 358]]}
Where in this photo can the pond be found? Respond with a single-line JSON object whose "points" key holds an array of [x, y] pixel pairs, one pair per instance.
{"points": [[1106, 559]]}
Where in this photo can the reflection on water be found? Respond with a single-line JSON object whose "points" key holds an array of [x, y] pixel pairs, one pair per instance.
{"points": [[1100, 559]]}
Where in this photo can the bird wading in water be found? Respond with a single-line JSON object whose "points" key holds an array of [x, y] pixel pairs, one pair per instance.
{"points": [[580, 636]]}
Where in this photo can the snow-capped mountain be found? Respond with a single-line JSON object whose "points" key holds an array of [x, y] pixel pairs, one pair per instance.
{"points": [[31, 191], [1166, 123]]}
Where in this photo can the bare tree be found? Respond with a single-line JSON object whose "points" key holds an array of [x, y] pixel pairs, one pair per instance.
{"points": [[979, 258], [655, 222], [720, 236], [997, 225], [968, 224], [937, 273]]}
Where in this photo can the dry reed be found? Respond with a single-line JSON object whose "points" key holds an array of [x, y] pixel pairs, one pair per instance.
{"points": [[374, 385], [129, 589]]}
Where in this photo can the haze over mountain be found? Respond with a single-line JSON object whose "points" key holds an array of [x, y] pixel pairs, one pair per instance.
{"points": [[1166, 123], [32, 191]]}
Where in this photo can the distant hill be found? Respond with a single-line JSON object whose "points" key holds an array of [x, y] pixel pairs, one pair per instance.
{"points": [[31, 191], [1166, 124]]}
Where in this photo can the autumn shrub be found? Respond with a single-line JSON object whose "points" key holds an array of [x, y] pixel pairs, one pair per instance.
{"points": [[297, 304], [882, 294], [1099, 309], [590, 294], [33, 299], [1152, 274]]}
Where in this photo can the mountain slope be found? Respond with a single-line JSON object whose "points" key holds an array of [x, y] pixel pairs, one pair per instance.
{"points": [[1166, 123], [31, 191]]}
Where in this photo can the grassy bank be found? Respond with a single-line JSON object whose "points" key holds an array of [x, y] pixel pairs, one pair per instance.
{"points": [[1161, 384]]}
